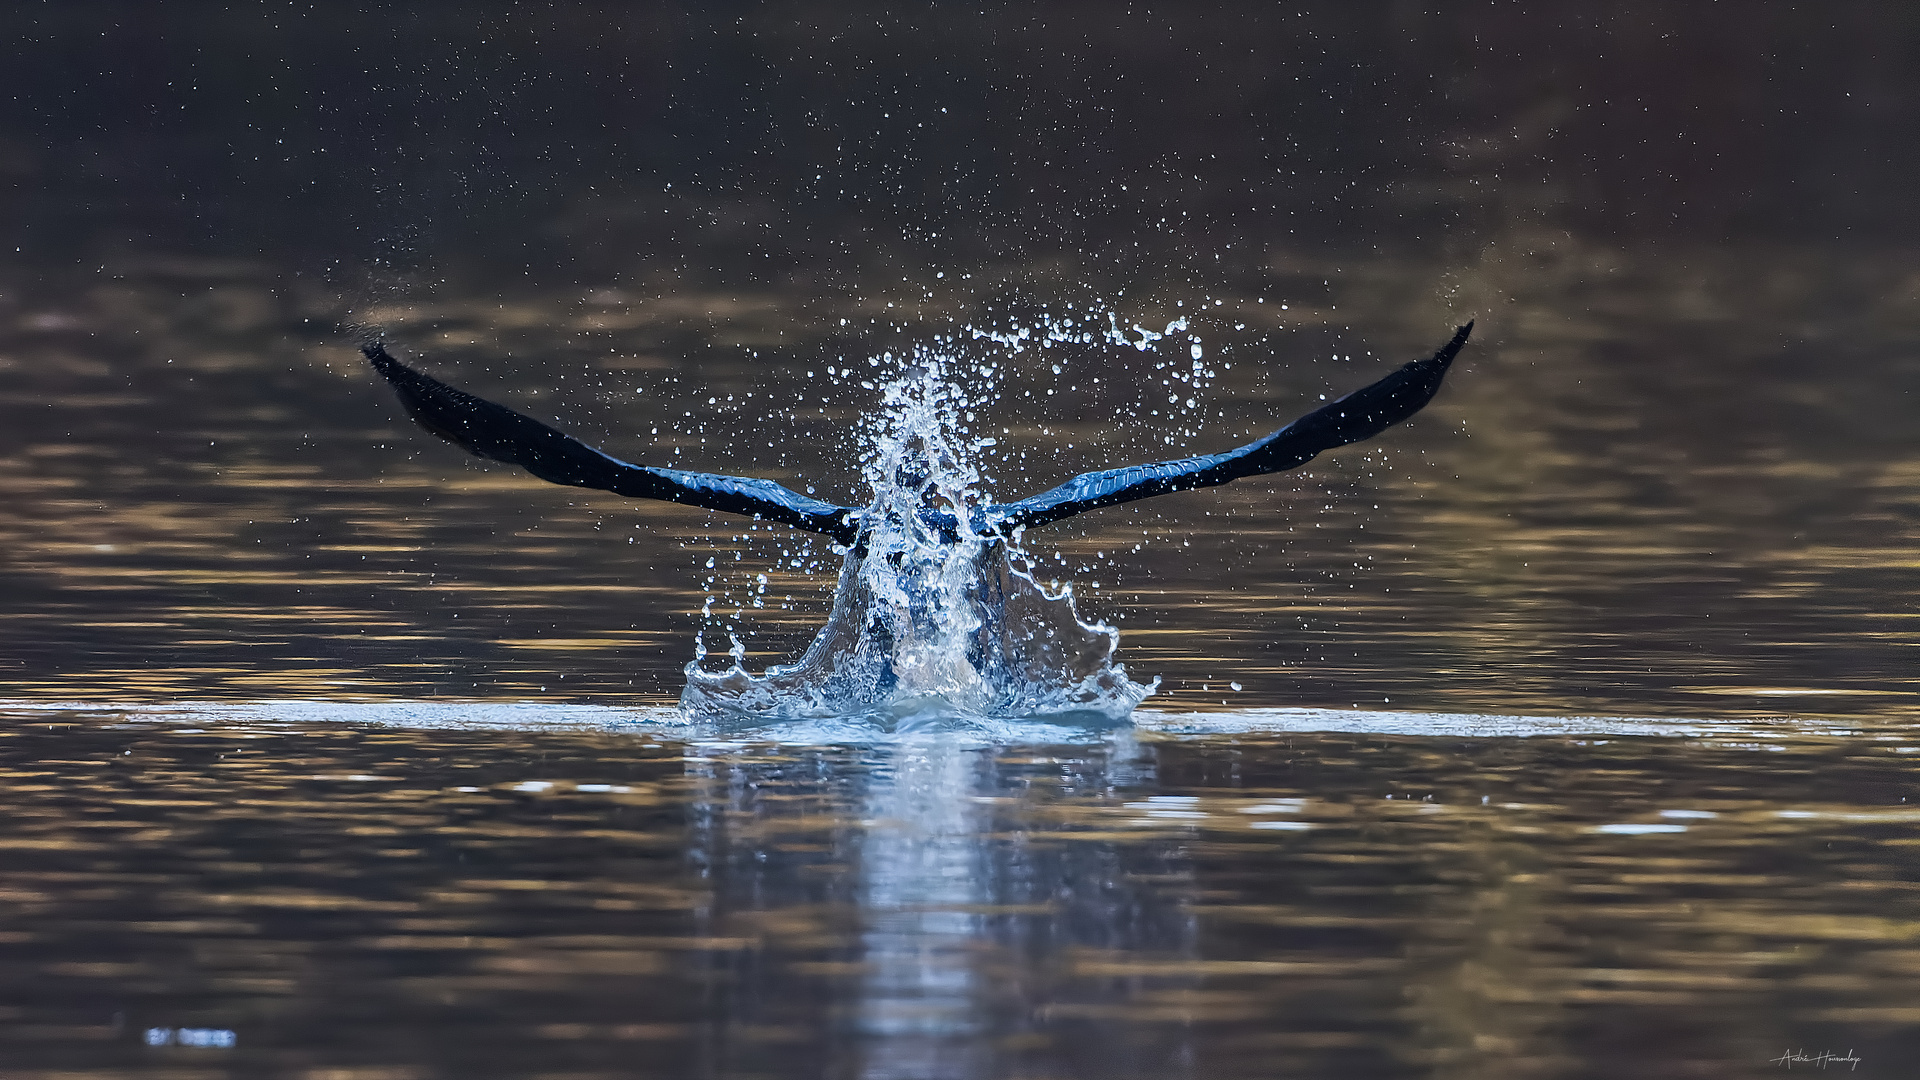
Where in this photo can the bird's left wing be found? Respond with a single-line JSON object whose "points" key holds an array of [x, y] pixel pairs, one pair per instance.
{"points": [[497, 433], [1360, 415]]}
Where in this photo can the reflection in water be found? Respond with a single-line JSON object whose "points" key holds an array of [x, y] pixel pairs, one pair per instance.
{"points": [[506, 901], [960, 922], [925, 887]]}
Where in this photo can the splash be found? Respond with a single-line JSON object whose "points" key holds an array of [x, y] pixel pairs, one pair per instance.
{"points": [[932, 619]]}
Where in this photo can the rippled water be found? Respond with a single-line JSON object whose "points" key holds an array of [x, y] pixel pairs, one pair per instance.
{"points": [[1564, 731], [1575, 525], [493, 892]]}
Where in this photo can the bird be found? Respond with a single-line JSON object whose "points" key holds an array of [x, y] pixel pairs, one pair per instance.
{"points": [[497, 433]]}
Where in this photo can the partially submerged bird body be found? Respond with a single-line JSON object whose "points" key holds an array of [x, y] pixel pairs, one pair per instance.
{"points": [[936, 608]]}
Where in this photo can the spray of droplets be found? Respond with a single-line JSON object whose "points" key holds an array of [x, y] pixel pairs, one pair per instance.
{"points": [[931, 619]]}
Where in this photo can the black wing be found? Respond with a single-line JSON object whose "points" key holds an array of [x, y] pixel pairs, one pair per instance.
{"points": [[1360, 415], [499, 434]]}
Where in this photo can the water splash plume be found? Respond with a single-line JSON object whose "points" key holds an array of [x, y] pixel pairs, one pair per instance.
{"points": [[933, 620]]}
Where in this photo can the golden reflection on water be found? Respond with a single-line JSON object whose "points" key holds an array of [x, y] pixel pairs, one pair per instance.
{"points": [[513, 903]]}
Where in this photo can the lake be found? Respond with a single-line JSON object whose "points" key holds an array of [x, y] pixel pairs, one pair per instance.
{"points": [[1566, 730]]}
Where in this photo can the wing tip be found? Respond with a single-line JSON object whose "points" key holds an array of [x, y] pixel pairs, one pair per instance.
{"points": [[1444, 358], [383, 361]]}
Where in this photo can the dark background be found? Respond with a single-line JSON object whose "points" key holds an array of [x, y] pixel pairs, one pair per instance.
{"points": [[773, 141]]}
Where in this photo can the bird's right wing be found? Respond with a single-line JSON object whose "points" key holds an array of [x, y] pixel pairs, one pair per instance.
{"points": [[1360, 415], [497, 433]]}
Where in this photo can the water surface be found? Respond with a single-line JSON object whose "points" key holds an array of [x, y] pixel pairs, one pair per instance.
{"points": [[1565, 731], [593, 893]]}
